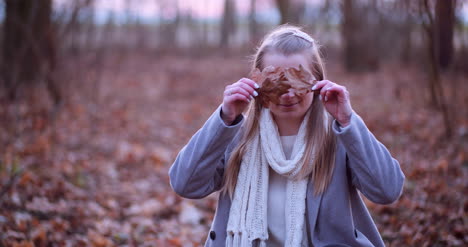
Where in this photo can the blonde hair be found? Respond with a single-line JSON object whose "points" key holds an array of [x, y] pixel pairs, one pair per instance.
{"points": [[289, 40]]}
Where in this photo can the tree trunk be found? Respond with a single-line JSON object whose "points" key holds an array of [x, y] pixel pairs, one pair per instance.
{"points": [[228, 24], [29, 43], [283, 8], [296, 12], [444, 25], [349, 27], [406, 31], [359, 43], [436, 90], [252, 21], [168, 28]]}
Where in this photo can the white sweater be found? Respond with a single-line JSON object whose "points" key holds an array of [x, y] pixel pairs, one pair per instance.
{"points": [[276, 202]]}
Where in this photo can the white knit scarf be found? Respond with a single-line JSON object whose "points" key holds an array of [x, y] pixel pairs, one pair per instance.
{"points": [[248, 214]]}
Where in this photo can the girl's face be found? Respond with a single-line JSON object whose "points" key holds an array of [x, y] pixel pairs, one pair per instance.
{"points": [[290, 107]]}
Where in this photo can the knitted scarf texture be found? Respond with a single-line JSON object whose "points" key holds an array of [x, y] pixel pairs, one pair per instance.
{"points": [[248, 214]]}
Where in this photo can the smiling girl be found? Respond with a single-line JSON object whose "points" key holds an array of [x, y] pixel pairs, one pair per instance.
{"points": [[289, 172]]}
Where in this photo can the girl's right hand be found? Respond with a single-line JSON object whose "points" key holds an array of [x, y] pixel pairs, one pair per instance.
{"points": [[237, 97]]}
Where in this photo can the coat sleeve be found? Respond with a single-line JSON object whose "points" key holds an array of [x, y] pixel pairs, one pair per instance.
{"points": [[199, 166], [374, 171]]}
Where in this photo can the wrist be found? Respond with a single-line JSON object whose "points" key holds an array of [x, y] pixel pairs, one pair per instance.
{"points": [[344, 122], [343, 125], [228, 120]]}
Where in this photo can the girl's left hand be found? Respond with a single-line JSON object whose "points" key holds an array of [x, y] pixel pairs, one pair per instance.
{"points": [[335, 98]]}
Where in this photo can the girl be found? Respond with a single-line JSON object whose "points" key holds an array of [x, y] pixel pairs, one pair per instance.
{"points": [[289, 172]]}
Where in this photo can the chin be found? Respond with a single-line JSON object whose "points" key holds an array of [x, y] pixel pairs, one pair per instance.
{"points": [[288, 113]]}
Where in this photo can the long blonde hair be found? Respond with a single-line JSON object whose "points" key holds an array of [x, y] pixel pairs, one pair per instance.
{"points": [[289, 40]]}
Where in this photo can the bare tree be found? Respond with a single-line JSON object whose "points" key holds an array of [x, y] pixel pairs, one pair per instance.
{"points": [[283, 8], [435, 87], [168, 27], [69, 28], [348, 26], [253, 30], [406, 31], [228, 23], [444, 26], [29, 50], [359, 23], [290, 11]]}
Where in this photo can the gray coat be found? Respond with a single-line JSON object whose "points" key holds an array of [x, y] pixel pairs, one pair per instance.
{"points": [[338, 217]]}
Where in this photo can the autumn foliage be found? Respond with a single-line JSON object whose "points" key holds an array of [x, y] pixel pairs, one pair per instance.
{"points": [[94, 173]]}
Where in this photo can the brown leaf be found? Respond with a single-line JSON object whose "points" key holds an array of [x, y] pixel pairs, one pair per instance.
{"points": [[23, 243], [277, 81], [301, 80], [271, 91], [175, 242], [39, 236], [98, 240]]}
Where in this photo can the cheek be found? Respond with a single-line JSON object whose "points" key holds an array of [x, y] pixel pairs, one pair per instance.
{"points": [[271, 106], [308, 99]]}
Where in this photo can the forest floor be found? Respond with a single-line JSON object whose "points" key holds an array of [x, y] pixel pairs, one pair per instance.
{"points": [[96, 175]]}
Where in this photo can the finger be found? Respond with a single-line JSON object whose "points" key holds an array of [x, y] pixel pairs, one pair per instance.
{"points": [[238, 97], [246, 87], [237, 90], [249, 89], [328, 96], [250, 82], [235, 84], [242, 84], [336, 91], [247, 82], [319, 85], [325, 87]]}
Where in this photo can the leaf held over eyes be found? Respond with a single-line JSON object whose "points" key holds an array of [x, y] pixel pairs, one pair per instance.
{"points": [[277, 81]]}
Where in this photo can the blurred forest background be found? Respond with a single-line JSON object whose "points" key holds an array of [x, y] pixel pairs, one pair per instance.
{"points": [[97, 97]]}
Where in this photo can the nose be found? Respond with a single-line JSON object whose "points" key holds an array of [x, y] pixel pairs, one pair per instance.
{"points": [[288, 95]]}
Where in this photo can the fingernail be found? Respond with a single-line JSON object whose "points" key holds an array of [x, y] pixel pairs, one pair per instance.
{"points": [[251, 97], [255, 93], [320, 97], [326, 98], [314, 87], [256, 85]]}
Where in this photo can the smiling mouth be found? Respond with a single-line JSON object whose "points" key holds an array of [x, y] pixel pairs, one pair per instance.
{"points": [[289, 105]]}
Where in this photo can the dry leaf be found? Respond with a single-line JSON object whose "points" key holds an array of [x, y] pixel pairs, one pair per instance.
{"points": [[277, 81], [301, 80]]}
